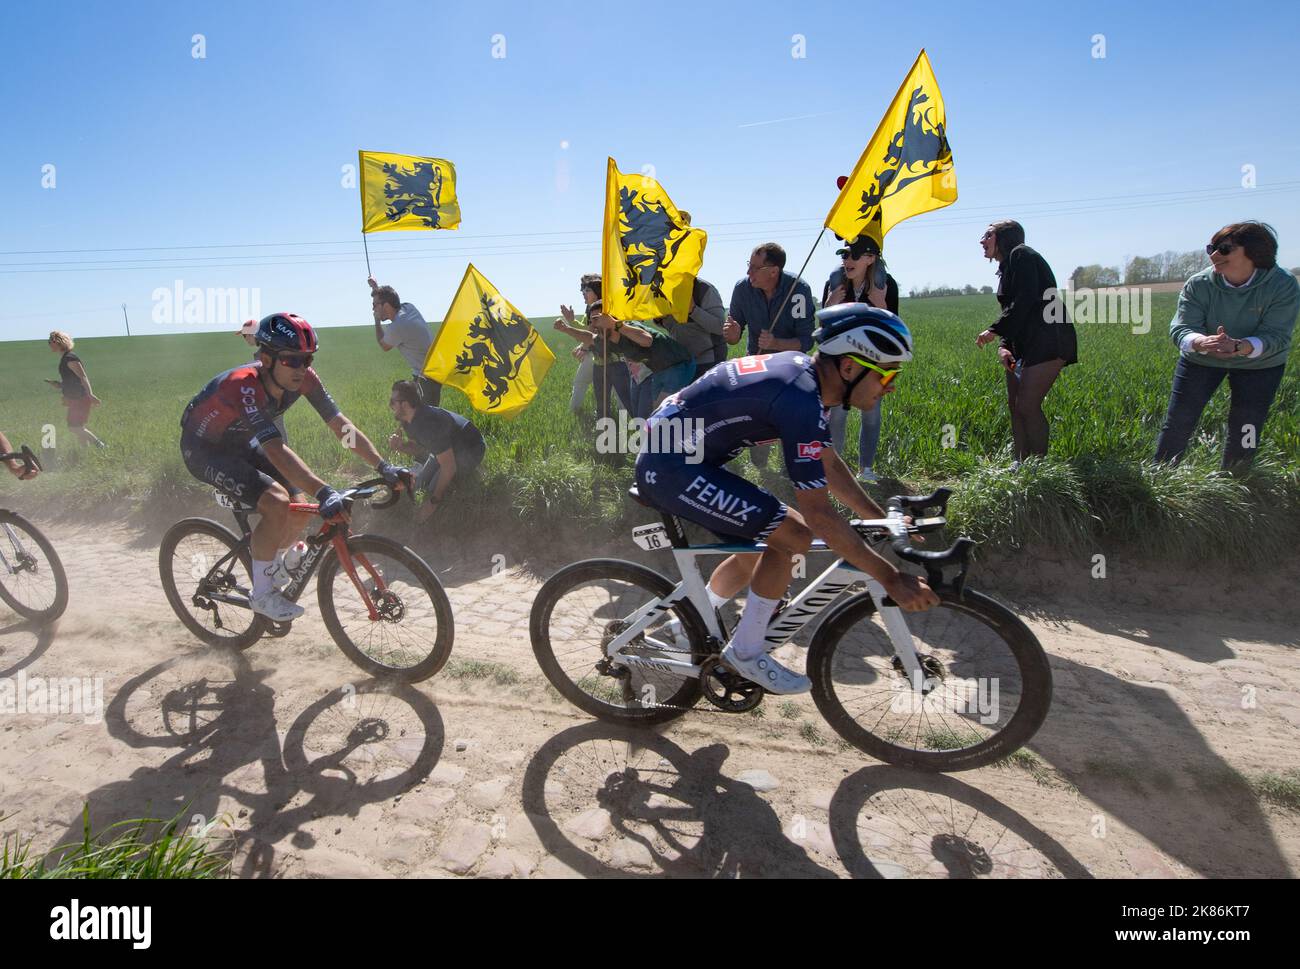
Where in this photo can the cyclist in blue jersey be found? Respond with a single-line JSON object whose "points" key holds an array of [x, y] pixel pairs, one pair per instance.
{"points": [[785, 398], [229, 440]]}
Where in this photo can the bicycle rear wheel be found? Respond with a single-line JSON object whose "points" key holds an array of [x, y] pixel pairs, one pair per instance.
{"points": [[988, 683], [412, 635], [188, 565], [585, 605], [32, 580]]}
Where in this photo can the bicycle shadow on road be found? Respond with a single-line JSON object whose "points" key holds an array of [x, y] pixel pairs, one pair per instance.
{"points": [[1131, 750], [23, 642], [356, 745], [611, 801], [888, 822]]}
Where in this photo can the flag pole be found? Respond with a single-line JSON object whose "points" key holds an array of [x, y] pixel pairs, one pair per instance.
{"points": [[781, 308], [367, 245]]}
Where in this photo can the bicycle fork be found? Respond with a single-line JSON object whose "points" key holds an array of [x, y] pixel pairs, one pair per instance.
{"points": [[346, 559]]}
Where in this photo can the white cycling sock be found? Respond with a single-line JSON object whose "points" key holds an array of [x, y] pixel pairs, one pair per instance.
{"points": [[748, 639], [261, 578], [716, 600]]}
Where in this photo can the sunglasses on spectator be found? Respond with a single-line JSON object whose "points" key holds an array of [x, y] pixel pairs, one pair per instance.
{"points": [[1223, 248], [886, 376], [295, 361]]}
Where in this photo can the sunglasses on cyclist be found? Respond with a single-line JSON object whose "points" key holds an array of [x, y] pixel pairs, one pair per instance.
{"points": [[886, 376], [295, 361], [1223, 248]]}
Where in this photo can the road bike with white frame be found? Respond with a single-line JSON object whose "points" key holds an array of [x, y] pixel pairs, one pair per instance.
{"points": [[955, 687]]}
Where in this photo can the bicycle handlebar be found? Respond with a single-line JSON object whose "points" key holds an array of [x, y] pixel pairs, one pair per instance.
{"points": [[917, 503], [349, 495], [27, 456], [900, 543]]}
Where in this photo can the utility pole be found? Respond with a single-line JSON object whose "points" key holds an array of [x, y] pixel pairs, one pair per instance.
{"points": [[127, 321]]}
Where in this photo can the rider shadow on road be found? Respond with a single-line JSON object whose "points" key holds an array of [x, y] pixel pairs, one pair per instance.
{"points": [[354, 746], [608, 801], [1133, 751], [23, 642]]}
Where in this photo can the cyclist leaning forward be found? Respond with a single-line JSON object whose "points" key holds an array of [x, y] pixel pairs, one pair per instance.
{"points": [[229, 440], [782, 397]]}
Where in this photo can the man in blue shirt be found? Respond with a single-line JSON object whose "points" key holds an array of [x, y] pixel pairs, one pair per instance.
{"points": [[775, 307]]}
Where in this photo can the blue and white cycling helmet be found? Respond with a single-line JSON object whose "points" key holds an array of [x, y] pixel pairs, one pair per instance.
{"points": [[865, 334], [861, 330]]}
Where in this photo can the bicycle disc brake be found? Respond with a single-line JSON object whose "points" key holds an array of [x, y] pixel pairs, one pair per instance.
{"points": [[932, 668], [726, 690], [388, 604]]}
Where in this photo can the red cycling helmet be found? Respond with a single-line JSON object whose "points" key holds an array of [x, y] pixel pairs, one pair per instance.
{"points": [[286, 331]]}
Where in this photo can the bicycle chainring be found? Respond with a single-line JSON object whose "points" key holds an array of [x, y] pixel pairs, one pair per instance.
{"points": [[728, 691]]}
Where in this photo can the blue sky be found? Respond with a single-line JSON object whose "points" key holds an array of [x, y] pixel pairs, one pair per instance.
{"points": [[171, 168]]}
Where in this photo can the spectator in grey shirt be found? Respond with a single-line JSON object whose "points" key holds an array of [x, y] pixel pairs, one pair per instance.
{"points": [[704, 323], [406, 331]]}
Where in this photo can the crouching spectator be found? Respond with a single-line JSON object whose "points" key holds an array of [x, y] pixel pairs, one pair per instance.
{"points": [[451, 447]]}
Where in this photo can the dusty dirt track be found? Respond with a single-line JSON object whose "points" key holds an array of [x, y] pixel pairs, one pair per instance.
{"points": [[316, 772]]}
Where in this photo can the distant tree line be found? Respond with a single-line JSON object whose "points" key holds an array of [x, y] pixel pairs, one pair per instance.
{"points": [[968, 290], [1167, 267]]}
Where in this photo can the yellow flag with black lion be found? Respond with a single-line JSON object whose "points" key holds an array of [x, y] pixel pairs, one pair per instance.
{"points": [[488, 350]]}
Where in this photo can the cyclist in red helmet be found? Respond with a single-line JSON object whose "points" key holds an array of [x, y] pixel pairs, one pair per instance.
{"points": [[229, 440]]}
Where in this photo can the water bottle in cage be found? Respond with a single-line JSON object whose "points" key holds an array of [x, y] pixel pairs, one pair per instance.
{"points": [[294, 554]]}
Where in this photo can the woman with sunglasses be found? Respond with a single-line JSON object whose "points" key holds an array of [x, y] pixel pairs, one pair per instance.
{"points": [[854, 282], [1038, 340], [1235, 319], [229, 441]]}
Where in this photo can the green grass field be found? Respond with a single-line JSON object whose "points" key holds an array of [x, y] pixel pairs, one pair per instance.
{"points": [[542, 469]]}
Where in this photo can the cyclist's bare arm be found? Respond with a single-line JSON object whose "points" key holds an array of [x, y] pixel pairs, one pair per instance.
{"points": [[845, 487], [291, 466], [12, 464], [354, 440], [825, 522]]}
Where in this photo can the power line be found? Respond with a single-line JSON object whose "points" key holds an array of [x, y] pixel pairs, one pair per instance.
{"points": [[272, 260], [1185, 194]]}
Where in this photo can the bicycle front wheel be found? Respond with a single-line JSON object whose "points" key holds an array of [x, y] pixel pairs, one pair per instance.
{"points": [[986, 690], [409, 633], [582, 608], [32, 580]]}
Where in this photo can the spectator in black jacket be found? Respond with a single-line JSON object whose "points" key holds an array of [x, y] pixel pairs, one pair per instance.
{"points": [[854, 282], [1037, 338]]}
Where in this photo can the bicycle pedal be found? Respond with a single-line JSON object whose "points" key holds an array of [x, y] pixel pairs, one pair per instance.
{"points": [[279, 630]]}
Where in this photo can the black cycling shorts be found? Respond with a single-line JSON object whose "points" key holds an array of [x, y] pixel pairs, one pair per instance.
{"points": [[244, 474], [725, 503]]}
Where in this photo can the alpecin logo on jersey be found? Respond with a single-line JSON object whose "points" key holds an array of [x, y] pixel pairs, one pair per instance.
{"points": [[812, 451]]}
